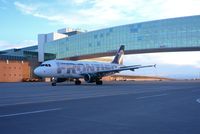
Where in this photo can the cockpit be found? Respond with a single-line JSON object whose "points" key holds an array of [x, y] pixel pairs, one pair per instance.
{"points": [[46, 65]]}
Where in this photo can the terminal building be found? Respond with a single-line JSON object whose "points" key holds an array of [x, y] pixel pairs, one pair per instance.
{"points": [[176, 34], [167, 35], [18, 64], [13, 68]]}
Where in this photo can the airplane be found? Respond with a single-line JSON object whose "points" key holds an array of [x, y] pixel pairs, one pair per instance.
{"points": [[90, 71]]}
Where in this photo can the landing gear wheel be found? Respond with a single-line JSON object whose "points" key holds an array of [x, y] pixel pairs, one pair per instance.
{"points": [[53, 84], [100, 82], [77, 82]]}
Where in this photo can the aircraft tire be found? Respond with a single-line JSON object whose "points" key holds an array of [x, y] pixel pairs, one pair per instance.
{"points": [[77, 82], [100, 82], [53, 84]]}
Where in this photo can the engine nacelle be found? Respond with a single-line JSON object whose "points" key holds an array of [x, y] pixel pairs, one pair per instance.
{"points": [[90, 78]]}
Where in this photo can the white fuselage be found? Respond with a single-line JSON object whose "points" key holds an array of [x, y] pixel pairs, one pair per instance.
{"points": [[71, 69]]}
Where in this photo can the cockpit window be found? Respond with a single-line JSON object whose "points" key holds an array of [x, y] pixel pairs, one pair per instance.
{"points": [[46, 65]]}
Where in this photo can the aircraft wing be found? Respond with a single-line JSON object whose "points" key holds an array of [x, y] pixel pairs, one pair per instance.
{"points": [[123, 68]]}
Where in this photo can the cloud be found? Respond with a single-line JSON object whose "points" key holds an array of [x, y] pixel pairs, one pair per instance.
{"points": [[80, 1], [9, 45], [179, 65], [170, 58], [26, 9], [94, 13], [36, 11], [103, 13], [177, 8]]}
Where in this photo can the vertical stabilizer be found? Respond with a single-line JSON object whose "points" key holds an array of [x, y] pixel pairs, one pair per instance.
{"points": [[118, 59]]}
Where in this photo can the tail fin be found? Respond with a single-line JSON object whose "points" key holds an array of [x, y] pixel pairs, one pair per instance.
{"points": [[118, 59]]}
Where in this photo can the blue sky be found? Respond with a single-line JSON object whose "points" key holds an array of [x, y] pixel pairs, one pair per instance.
{"points": [[22, 20]]}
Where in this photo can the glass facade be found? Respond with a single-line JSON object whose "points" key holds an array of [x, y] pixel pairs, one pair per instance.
{"points": [[160, 34]]}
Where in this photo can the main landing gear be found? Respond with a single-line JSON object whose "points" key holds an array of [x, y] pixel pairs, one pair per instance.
{"points": [[99, 82], [77, 82], [54, 80], [53, 83]]}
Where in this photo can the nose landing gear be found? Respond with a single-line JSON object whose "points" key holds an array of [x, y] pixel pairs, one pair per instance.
{"points": [[77, 82]]}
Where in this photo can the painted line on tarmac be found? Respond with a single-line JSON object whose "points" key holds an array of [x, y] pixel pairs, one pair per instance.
{"points": [[198, 100], [152, 96], [65, 98], [31, 112]]}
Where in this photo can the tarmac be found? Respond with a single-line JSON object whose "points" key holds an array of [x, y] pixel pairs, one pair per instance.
{"points": [[125, 107]]}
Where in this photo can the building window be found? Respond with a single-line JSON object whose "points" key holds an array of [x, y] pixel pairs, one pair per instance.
{"points": [[139, 38], [107, 34], [90, 45], [101, 35], [111, 30], [95, 36], [134, 30], [98, 43]]}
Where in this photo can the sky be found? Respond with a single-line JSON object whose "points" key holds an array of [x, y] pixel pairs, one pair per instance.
{"points": [[22, 20]]}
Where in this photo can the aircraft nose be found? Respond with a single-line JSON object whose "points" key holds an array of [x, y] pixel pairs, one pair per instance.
{"points": [[38, 71]]}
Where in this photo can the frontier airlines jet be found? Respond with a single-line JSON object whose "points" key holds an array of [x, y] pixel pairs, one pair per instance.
{"points": [[61, 70]]}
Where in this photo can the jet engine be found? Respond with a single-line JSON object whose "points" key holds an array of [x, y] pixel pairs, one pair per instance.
{"points": [[90, 78]]}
